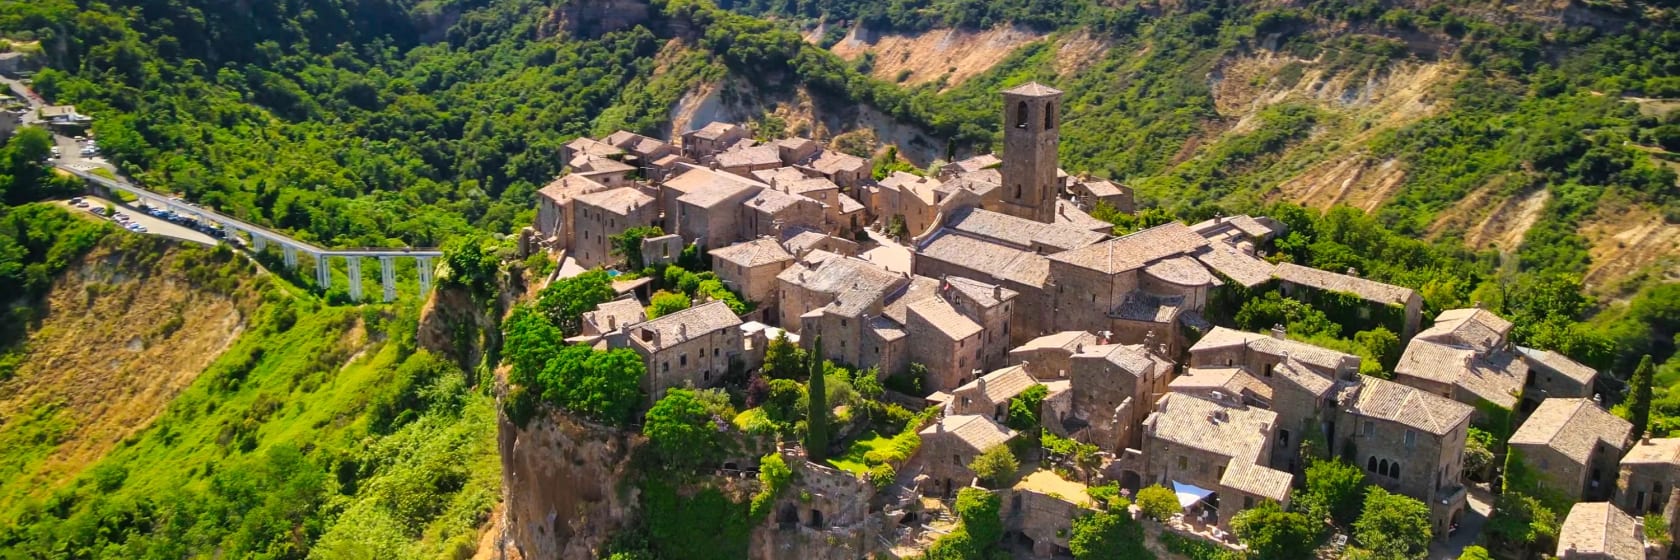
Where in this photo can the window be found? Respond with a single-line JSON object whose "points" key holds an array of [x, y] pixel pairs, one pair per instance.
{"points": [[1394, 470], [1411, 438], [1268, 370], [956, 459], [1382, 467], [1283, 437], [714, 352], [1183, 462], [1049, 116], [1248, 502], [1370, 428], [1371, 464], [1021, 115], [665, 367], [682, 360], [706, 375], [1017, 191]]}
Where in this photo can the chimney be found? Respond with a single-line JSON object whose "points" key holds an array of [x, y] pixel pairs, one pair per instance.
{"points": [[1079, 348], [682, 331], [939, 427], [997, 292], [648, 335], [982, 382], [1278, 332], [1163, 349], [712, 165], [1645, 439], [1354, 272], [612, 323]]}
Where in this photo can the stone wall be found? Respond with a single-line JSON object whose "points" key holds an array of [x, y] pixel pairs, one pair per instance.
{"points": [[563, 487]]}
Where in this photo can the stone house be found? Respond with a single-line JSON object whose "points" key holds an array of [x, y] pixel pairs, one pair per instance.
{"points": [[601, 215], [1050, 357], [801, 242], [1301, 378], [750, 267], [794, 151], [555, 215], [1236, 265], [1464, 356], [692, 180], [1023, 234], [611, 321], [1240, 231], [846, 170], [641, 151], [1131, 285], [662, 250], [989, 394], [745, 161], [1223, 383], [1648, 481], [1090, 192], [773, 213], [1114, 387], [946, 341], [609, 172], [1296, 281], [1261, 353], [1409, 442], [693, 347], [820, 278], [1600, 531], [712, 216], [711, 139], [950, 444], [1214, 446], [584, 146], [1574, 446], [970, 165], [989, 305], [1553, 375], [1041, 508], [1303, 400]]}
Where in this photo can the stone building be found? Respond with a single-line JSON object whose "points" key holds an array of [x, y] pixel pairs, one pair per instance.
{"points": [[1648, 481], [1600, 531], [1261, 353], [712, 216], [584, 146], [1409, 442], [989, 395], [846, 170], [1050, 357], [1239, 231], [820, 278], [946, 341], [970, 165], [773, 213], [1464, 356], [802, 241], [950, 444], [555, 215], [1114, 387], [693, 347], [607, 171], [1216, 446], [744, 161], [611, 321], [750, 267], [1030, 136], [1091, 192], [1293, 279], [1574, 446], [989, 305], [1222, 383], [1131, 285], [711, 139], [1041, 507], [641, 151], [601, 215], [1553, 375]]}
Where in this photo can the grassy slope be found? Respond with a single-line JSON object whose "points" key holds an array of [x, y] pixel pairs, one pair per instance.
{"points": [[295, 441]]}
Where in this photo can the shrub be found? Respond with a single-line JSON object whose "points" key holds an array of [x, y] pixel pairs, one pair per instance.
{"points": [[882, 476], [1392, 525], [995, 466], [1107, 536], [1158, 503]]}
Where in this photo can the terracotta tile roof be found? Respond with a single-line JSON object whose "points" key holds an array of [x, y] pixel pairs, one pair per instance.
{"points": [[1371, 290], [1602, 530], [700, 178], [1181, 271], [1258, 228], [1100, 188], [619, 201], [976, 163], [899, 180], [695, 321], [1000, 261], [632, 142], [1232, 380], [886, 329], [1573, 427], [1240, 267], [1134, 251], [1293, 372], [1497, 377], [981, 293], [898, 304], [772, 201], [947, 319], [1020, 232], [1245, 476], [1560, 364], [1235, 432], [1132, 359], [976, 431], [780, 176], [1069, 215], [596, 164], [723, 193], [998, 386], [849, 205], [1066, 340], [807, 186], [569, 186], [1144, 306], [855, 283], [750, 157], [981, 181], [758, 252], [1407, 406], [1475, 328], [805, 240], [714, 130], [1657, 451], [830, 162], [623, 313], [1032, 89], [584, 145], [1324, 358]]}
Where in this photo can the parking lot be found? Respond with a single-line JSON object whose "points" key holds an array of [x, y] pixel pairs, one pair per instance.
{"points": [[152, 225]]}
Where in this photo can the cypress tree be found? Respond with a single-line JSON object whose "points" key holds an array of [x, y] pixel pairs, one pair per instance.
{"points": [[816, 423], [1639, 411]]}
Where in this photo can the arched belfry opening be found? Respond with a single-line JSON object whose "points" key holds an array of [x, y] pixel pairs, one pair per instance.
{"points": [[1021, 115], [1049, 116]]}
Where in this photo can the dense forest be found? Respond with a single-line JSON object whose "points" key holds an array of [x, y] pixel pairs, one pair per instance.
{"points": [[398, 122]]}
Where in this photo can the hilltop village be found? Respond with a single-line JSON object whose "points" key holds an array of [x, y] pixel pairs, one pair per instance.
{"points": [[990, 279]]}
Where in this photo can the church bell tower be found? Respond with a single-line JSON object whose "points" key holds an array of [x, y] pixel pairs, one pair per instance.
{"points": [[1030, 138]]}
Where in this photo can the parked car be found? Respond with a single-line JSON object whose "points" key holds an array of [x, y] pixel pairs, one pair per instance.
{"points": [[98, 210], [76, 200]]}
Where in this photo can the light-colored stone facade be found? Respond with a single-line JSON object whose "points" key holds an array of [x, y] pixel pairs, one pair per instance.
{"points": [[692, 347], [1409, 442], [1031, 134], [601, 215]]}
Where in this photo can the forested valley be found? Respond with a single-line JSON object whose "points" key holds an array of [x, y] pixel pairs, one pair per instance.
{"points": [[430, 123]]}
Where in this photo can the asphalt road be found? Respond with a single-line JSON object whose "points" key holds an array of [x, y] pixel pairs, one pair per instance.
{"points": [[154, 226]]}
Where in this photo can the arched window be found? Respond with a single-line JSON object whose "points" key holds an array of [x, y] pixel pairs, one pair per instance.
{"points": [[1382, 468], [1021, 115], [1049, 116], [1394, 470], [1371, 464]]}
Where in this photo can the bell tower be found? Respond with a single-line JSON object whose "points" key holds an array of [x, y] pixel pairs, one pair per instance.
{"points": [[1030, 137]]}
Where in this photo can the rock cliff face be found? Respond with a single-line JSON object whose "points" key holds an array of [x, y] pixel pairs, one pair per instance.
{"points": [[563, 487]]}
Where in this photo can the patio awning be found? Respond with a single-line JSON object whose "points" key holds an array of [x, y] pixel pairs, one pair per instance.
{"points": [[1189, 494]]}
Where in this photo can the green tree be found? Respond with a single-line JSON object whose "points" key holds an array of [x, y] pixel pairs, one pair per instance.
{"points": [[665, 303], [629, 244], [1522, 521], [1383, 344], [472, 264], [1107, 536], [681, 431], [995, 466], [1271, 532], [816, 422], [611, 387], [1667, 136], [1335, 488], [1639, 409], [784, 359], [1478, 453], [1474, 552], [567, 299], [529, 342], [978, 510], [773, 476], [1158, 502], [1393, 526], [1024, 409]]}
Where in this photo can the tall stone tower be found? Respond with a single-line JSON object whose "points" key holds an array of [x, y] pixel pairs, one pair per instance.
{"points": [[1030, 136]]}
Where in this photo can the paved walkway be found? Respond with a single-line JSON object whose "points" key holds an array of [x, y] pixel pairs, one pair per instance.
{"points": [[1469, 527]]}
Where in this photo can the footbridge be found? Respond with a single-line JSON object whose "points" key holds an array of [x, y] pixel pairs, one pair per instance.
{"points": [[261, 238]]}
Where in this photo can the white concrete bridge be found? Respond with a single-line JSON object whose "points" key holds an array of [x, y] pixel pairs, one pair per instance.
{"points": [[290, 248]]}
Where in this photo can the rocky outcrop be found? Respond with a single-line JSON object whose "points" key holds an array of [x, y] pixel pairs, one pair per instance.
{"points": [[564, 487]]}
